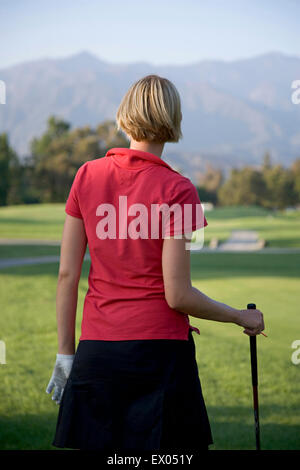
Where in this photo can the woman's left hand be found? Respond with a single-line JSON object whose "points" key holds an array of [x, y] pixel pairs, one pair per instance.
{"points": [[60, 376]]}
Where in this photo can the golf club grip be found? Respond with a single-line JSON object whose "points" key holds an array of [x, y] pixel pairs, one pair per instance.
{"points": [[253, 352]]}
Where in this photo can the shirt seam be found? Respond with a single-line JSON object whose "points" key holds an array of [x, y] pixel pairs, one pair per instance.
{"points": [[73, 214], [150, 165]]}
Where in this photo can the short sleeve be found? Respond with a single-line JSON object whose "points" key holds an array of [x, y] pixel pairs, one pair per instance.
{"points": [[72, 205], [186, 211]]}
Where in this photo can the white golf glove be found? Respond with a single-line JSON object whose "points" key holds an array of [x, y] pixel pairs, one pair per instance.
{"points": [[60, 376]]}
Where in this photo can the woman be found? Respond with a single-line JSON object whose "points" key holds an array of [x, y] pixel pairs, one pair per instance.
{"points": [[133, 383]]}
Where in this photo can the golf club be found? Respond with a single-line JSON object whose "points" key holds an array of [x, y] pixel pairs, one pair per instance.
{"points": [[253, 355]]}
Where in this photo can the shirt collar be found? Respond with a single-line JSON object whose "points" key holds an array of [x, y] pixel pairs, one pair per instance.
{"points": [[134, 159]]}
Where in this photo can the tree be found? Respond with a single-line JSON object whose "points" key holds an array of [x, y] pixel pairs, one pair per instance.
{"points": [[280, 186], [208, 183], [244, 187], [296, 177], [110, 135], [267, 162], [60, 151], [8, 169]]}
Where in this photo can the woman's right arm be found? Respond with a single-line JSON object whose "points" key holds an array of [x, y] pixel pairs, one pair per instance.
{"points": [[182, 296]]}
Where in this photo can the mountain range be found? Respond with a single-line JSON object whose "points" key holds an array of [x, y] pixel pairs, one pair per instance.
{"points": [[233, 112]]}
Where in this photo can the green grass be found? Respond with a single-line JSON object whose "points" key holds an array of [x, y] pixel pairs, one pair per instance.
{"points": [[45, 221], [27, 251], [36, 221], [27, 325]]}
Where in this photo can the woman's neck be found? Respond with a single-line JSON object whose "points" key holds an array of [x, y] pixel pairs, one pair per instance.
{"points": [[150, 147]]}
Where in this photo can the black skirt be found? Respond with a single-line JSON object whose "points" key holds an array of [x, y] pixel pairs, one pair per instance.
{"points": [[134, 395]]}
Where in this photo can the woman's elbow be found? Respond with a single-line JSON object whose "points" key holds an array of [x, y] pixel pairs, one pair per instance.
{"points": [[176, 298], [66, 275]]}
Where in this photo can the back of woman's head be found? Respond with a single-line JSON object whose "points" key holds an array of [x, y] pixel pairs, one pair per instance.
{"points": [[151, 111]]}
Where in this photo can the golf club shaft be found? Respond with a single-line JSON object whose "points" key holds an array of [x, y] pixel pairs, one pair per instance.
{"points": [[253, 355]]}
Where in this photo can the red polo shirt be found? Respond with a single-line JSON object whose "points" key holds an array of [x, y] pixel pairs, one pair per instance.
{"points": [[118, 197]]}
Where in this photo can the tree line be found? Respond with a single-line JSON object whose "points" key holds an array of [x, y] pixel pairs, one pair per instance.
{"points": [[270, 185], [46, 174]]}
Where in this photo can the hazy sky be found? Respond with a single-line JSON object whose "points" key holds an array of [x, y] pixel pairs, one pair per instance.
{"points": [[155, 31]]}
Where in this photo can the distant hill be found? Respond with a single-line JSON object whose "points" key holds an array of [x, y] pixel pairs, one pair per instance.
{"points": [[232, 111]]}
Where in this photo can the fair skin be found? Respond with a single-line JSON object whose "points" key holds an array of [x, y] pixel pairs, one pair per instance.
{"points": [[151, 147], [73, 247], [180, 294]]}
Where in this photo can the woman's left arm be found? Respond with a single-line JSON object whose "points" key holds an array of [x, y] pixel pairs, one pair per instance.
{"points": [[73, 247]]}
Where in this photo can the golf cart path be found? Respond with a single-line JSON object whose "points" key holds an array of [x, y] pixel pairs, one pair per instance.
{"points": [[245, 240], [28, 241], [11, 262]]}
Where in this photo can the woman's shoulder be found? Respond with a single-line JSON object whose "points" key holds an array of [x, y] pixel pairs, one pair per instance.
{"points": [[90, 166], [181, 184], [93, 163], [172, 176], [174, 186]]}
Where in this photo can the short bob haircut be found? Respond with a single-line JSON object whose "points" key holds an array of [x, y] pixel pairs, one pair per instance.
{"points": [[151, 111]]}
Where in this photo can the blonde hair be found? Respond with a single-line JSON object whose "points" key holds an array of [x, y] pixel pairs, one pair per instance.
{"points": [[151, 111]]}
